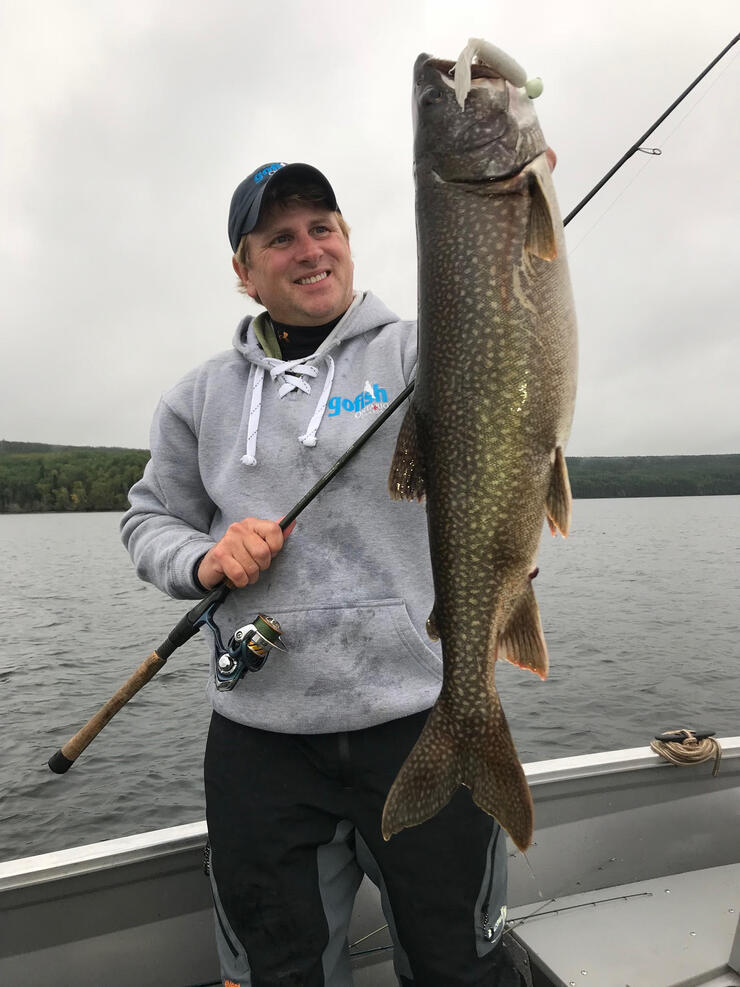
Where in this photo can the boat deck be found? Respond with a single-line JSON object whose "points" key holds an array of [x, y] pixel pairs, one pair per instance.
{"points": [[674, 930]]}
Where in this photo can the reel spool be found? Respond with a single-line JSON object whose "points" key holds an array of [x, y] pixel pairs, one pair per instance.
{"points": [[247, 651]]}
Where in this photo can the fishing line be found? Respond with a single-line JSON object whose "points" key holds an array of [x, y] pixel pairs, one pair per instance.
{"points": [[510, 926], [641, 140], [703, 96], [653, 152], [590, 230], [531, 870]]}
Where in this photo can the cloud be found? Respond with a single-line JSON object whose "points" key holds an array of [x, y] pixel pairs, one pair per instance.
{"points": [[126, 129]]}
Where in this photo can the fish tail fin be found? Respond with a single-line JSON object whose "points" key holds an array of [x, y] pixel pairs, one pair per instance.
{"points": [[443, 759], [559, 503]]}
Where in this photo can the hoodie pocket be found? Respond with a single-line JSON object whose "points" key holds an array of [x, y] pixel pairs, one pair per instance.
{"points": [[372, 630], [345, 667]]}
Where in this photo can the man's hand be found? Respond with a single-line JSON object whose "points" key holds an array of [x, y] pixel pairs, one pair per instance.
{"points": [[247, 548]]}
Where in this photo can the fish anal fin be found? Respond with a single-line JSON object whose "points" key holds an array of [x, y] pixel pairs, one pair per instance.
{"points": [[447, 755], [406, 478], [522, 642], [559, 502], [540, 239]]}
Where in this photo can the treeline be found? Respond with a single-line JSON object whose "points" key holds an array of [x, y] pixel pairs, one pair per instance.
{"points": [[37, 477], [654, 476]]}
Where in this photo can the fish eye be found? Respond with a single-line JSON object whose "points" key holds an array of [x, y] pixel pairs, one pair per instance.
{"points": [[431, 95]]}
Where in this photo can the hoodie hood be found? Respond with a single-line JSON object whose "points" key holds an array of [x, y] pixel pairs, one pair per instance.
{"points": [[366, 313], [255, 341]]}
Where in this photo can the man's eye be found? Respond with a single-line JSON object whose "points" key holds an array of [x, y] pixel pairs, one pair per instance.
{"points": [[322, 229], [281, 238]]}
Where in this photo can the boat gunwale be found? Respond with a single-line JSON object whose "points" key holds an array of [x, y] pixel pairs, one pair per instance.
{"points": [[93, 857], [608, 762]]}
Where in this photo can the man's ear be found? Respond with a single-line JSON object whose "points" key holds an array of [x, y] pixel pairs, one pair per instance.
{"points": [[243, 274]]}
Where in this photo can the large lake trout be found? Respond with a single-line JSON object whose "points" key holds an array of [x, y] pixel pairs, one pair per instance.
{"points": [[484, 437]]}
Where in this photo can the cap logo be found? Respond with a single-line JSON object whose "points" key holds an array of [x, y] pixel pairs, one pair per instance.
{"points": [[268, 170]]}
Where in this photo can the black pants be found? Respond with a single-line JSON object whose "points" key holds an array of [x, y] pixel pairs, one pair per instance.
{"points": [[293, 823]]}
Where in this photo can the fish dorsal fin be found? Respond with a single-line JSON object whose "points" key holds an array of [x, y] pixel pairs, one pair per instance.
{"points": [[540, 239], [406, 480], [522, 642]]}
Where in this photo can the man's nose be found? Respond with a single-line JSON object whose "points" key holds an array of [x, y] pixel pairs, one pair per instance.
{"points": [[307, 249]]}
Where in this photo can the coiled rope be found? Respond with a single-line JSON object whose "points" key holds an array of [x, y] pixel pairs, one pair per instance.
{"points": [[688, 750]]}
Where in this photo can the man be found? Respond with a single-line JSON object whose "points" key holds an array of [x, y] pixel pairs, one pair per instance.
{"points": [[301, 755]]}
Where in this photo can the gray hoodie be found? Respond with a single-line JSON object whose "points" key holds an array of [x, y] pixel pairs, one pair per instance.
{"points": [[246, 434]]}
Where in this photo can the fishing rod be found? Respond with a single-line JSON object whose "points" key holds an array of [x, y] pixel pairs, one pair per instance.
{"points": [[640, 140], [249, 646]]}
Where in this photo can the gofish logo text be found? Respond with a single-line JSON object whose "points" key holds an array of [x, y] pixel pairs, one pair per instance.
{"points": [[369, 400]]}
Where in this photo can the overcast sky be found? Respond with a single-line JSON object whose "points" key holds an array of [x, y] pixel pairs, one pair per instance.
{"points": [[127, 124]]}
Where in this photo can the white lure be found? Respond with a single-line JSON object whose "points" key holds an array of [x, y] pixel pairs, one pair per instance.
{"points": [[496, 59]]}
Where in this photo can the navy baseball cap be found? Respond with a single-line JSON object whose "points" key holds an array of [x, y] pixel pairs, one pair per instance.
{"points": [[246, 202]]}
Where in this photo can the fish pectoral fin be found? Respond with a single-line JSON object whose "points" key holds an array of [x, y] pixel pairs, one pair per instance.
{"points": [[406, 480], [540, 239], [559, 502], [522, 642]]}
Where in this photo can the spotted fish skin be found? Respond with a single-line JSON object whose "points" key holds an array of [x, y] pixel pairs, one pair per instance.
{"points": [[484, 436]]}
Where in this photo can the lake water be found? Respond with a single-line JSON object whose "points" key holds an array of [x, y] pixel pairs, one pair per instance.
{"points": [[640, 608]]}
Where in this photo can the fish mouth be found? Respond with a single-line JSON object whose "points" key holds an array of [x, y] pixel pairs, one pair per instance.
{"points": [[309, 279], [504, 177], [477, 70], [508, 176], [485, 181]]}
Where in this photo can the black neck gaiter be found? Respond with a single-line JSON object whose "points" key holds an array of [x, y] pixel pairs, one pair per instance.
{"points": [[298, 341]]}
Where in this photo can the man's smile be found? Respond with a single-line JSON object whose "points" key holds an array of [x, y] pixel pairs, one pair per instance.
{"points": [[312, 279]]}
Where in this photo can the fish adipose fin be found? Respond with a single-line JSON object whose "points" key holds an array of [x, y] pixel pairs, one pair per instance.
{"points": [[444, 758], [559, 501], [523, 643], [540, 239], [406, 477]]}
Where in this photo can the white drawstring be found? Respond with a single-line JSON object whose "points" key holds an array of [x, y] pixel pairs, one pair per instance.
{"points": [[309, 439], [258, 375], [279, 368], [290, 382]]}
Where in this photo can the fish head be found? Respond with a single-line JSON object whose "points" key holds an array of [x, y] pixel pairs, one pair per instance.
{"points": [[493, 136]]}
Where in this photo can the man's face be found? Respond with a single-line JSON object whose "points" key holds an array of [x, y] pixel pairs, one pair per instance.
{"points": [[300, 267]]}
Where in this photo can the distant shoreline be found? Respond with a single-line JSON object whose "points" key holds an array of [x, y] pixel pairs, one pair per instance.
{"points": [[39, 478]]}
